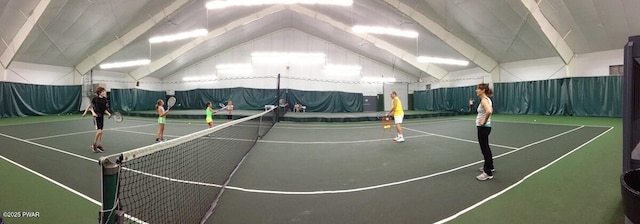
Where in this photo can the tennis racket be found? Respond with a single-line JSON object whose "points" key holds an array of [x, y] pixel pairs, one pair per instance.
{"points": [[171, 102], [117, 116], [382, 114], [222, 107]]}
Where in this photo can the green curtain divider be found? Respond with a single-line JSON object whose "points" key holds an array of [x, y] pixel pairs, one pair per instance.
{"points": [[444, 99], [581, 96], [596, 96], [243, 98], [19, 99], [327, 101], [134, 99]]}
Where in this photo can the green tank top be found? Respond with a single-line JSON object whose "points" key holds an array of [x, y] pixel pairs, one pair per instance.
{"points": [[209, 113]]}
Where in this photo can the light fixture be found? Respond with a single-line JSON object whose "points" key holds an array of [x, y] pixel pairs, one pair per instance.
{"points": [[436, 60], [179, 36], [125, 64], [284, 58], [219, 4], [199, 78], [385, 30], [378, 80], [234, 69]]}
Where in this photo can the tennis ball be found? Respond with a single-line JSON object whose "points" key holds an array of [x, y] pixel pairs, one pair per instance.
{"points": [[535, 120]]}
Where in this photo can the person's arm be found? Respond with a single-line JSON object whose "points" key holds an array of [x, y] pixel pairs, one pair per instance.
{"points": [[106, 111], [87, 110], [162, 114], [488, 110], [393, 107]]}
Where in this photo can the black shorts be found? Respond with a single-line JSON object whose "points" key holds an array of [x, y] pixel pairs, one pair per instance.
{"points": [[98, 122]]}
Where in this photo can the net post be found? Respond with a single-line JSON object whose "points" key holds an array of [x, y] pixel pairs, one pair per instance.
{"points": [[108, 214]]}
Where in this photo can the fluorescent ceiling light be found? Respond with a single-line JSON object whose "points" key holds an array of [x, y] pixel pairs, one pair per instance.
{"points": [[179, 36], [447, 61], [125, 64], [378, 80], [228, 3], [234, 68], [284, 58], [386, 31], [199, 78]]}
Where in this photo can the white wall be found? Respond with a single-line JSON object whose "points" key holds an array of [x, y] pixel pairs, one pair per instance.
{"points": [[592, 64], [294, 76], [597, 64], [538, 69], [30, 73]]}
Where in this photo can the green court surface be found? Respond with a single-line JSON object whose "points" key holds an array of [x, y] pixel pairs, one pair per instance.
{"points": [[550, 170]]}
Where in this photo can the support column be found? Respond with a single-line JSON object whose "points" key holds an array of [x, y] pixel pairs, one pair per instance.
{"points": [[495, 75], [3, 74], [571, 68]]}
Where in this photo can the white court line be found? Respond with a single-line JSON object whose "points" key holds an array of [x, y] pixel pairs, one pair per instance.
{"points": [[340, 142], [459, 139], [355, 126], [53, 181], [535, 122], [84, 132], [146, 133], [42, 122], [50, 148], [520, 181], [397, 182]]}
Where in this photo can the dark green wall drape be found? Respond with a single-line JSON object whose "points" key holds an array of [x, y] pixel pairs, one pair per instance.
{"points": [[134, 99], [444, 99], [242, 98], [581, 96], [19, 99], [327, 102]]}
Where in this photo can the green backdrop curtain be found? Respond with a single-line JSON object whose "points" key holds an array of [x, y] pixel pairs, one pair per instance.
{"points": [[19, 99]]}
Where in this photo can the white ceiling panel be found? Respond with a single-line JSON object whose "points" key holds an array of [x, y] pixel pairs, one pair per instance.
{"points": [[70, 31]]}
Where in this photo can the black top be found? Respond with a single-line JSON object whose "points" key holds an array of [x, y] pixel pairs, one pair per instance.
{"points": [[99, 105]]}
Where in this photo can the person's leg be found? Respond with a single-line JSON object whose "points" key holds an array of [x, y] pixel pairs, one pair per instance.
{"points": [[398, 121], [483, 140], [99, 137], [161, 134], [100, 126]]}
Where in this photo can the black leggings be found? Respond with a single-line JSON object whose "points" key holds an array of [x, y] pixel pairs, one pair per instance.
{"points": [[483, 139]]}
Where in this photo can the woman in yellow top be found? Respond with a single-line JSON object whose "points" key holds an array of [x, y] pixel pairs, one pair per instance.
{"points": [[398, 115], [210, 111]]}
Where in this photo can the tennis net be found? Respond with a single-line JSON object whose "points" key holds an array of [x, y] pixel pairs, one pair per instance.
{"points": [[179, 181]]}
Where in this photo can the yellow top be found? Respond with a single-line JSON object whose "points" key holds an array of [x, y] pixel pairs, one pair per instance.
{"points": [[398, 108]]}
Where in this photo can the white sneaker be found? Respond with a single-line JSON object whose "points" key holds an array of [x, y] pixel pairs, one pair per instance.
{"points": [[396, 138], [400, 140], [484, 176], [482, 169]]}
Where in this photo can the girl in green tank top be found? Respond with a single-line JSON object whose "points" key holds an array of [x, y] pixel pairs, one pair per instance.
{"points": [[209, 111]]}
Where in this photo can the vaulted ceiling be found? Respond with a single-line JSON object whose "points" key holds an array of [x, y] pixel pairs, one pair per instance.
{"points": [[84, 33]]}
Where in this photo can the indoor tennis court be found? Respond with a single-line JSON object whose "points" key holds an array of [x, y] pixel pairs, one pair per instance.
{"points": [[349, 175], [256, 111]]}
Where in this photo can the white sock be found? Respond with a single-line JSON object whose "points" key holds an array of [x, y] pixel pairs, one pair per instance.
{"points": [[400, 136]]}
